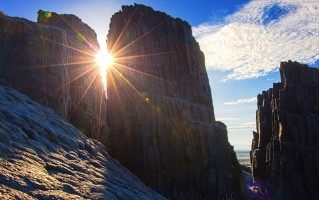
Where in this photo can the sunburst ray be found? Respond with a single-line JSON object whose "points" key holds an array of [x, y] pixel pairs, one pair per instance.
{"points": [[72, 48], [137, 39], [74, 79], [84, 93], [120, 36]]}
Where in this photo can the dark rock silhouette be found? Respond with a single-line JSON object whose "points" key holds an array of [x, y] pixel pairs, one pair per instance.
{"points": [[53, 62], [44, 157], [33, 62], [160, 111], [285, 148]]}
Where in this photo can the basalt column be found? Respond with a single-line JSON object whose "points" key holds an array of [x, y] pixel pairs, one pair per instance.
{"points": [[160, 111], [285, 148]]}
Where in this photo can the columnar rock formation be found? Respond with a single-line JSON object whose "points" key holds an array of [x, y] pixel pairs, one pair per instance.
{"points": [[53, 62], [285, 148], [44, 157], [86, 88], [33, 61], [160, 111]]}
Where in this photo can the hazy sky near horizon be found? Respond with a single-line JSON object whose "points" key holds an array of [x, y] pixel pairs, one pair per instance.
{"points": [[243, 41]]}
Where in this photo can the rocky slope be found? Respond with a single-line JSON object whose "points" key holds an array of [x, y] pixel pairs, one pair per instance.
{"points": [[285, 148], [160, 111], [53, 62], [44, 157]]}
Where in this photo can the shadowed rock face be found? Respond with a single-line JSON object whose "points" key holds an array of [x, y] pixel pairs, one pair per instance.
{"points": [[44, 157], [160, 111], [53, 62], [33, 62], [87, 95], [285, 148]]}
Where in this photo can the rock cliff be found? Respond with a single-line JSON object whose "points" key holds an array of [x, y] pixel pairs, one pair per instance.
{"points": [[53, 62], [44, 157], [33, 60], [285, 148], [160, 111], [86, 87]]}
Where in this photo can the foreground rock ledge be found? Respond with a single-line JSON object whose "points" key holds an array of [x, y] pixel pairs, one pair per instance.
{"points": [[44, 157], [160, 110]]}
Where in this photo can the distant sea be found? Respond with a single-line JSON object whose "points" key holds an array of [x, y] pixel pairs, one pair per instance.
{"points": [[243, 157]]}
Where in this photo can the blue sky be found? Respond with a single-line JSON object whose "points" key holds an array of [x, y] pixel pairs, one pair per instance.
{"points": [[243, 41]]}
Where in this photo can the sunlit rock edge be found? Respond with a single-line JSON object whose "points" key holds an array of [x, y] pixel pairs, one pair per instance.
{"points": [[42, 156]]}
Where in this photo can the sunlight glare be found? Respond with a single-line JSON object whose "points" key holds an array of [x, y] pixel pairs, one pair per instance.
{"points": [[104, 60]]}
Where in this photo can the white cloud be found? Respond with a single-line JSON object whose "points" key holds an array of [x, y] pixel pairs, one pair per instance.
{"points": [[226, 119], [243, 126], [253, 42], [241, 101]]}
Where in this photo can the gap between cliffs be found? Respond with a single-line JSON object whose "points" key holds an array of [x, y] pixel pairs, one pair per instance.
{"points": [[159, 118]]}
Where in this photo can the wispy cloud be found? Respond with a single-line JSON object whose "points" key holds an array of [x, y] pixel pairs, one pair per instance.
{"points": [[244, 126], [254, 40], [241, 101]]}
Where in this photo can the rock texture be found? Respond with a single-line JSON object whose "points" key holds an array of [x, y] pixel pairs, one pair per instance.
{"points": [[53, 62], [285, 148], [44, 157], [88, 100], [160, 111], [33, 62]]}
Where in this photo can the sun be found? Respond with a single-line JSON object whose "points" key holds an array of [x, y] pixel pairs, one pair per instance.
{"points": [[104, 61]]}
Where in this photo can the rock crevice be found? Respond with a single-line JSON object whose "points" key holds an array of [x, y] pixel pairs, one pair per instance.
{"points": [[160, 111]]}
